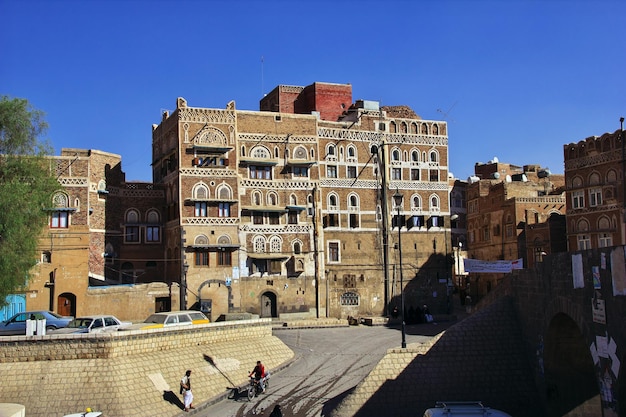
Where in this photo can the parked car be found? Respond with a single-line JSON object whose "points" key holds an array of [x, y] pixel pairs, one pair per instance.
{"points": [[93, 324], [16, 325], [463, 409], [171, 318]]}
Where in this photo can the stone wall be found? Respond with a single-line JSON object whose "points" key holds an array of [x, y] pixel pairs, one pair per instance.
{"points": [[134, 373]]}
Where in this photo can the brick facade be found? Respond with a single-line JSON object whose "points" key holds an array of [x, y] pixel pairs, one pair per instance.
{"points": [[594, 173], [267, 212]]}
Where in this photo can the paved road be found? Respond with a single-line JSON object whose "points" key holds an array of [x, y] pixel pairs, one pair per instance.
{"points": [[328, 363]]}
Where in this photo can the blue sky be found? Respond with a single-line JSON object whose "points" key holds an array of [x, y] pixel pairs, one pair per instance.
{"points": [[515, 79]]}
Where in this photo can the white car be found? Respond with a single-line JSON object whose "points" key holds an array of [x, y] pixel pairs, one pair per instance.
{"points": [[171, 318], [93, 324], [463, 409]]}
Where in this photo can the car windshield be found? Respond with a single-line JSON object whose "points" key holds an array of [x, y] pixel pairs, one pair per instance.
{"points": [[155, 318], [55, 315], [80, 323]]}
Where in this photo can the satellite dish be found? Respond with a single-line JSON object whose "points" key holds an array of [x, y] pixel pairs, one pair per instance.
{"points": [[507, 178], [496, 175], [495, 159]]}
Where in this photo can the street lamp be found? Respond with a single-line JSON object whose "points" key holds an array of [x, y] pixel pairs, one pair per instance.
{"points": [[397, 198]]}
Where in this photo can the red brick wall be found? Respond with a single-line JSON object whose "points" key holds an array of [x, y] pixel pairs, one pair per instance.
{"points": [[330, 100]]}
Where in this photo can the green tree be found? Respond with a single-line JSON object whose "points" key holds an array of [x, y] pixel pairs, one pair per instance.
{"points": [[26, 186]]}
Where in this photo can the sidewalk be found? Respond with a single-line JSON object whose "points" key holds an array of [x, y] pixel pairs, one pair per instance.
{"points": [[457, 314]]}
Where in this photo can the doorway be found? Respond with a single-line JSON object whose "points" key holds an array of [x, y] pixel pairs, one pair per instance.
{"points": [[268, 305], [66, 304]]}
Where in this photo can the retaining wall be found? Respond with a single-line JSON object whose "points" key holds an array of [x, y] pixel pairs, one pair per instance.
{"points": [[134, 373]]}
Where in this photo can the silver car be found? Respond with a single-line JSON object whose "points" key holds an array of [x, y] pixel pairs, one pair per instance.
{"points": [[16, 325], [93, 324]]}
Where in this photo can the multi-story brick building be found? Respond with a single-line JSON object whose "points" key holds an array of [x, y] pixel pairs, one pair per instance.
{"points": [[268, 212], [512, 212], [282, 212], [594, 174], [102, 232]]}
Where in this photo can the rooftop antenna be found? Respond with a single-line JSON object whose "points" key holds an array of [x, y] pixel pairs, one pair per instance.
{"points": [[445, 114], [262, 87]]}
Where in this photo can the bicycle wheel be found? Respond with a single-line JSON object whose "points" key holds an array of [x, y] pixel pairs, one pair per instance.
{"points": [[251, 392]]}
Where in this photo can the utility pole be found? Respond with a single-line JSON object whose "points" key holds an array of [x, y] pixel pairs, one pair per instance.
{"points": [[183, 271], [315, 253], [379, 151]]}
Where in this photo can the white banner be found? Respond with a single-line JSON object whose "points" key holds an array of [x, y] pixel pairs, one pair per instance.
{"points": [[496, 267]]}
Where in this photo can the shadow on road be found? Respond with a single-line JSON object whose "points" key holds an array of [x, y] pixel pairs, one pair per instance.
{"points": [[173, 399], [332, 403]]}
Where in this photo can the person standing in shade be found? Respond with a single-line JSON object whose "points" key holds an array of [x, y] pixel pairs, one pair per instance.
{"points": [[185, 389]]}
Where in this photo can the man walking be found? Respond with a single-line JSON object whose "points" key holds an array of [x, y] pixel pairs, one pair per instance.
{"points": [[185, 389]]}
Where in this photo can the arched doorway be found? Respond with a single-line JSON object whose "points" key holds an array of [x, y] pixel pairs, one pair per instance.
{"points": [[66, 304], [268, 304], [571, 382], [214, 300]]}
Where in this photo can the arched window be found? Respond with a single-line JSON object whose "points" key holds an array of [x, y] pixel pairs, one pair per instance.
{"points": [[395, 155], [132, 216], [332, 202], [275, 244], [434, 203], [415, 156], [604, 223], [224, 192], [200, 192], [434, 157], [256, 198], [330, 150], [201, 240], [260, 152], [152, 216], [577, 182], [297, 247], [435, 129], [416, 202], [60, 200], [351, 152], [258, 244], [582, 226], [300, 152], [611, 176], [293, 200], [272, 199]]}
